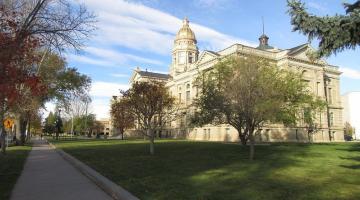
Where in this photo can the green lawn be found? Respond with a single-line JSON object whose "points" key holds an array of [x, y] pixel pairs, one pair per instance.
{"points": [[11, 166], [205, 170]]}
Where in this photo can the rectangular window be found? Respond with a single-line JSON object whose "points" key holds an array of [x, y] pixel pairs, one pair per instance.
{"points": [[187, 96], [205, 131], [330, 95], [179, 97], [318, 88], [191, 58], [331, 119]]}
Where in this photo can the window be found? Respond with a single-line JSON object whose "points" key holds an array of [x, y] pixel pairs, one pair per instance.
{"points": [[330, 95], [317, 88], [331, 119], [188, 86], [187, 95], [204, 130], [182, 57], [191, 58], [227, 131], [180, 97]]}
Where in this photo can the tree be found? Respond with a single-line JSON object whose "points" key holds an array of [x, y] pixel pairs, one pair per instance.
{"points": [[335, 33], [83, 123], [58, 124], [145, 101], [248, 93], [26, 27], [49, 126], [59, 24], [16, 79], [121, 116], [310, 111], [97, 128], [75, 107]]}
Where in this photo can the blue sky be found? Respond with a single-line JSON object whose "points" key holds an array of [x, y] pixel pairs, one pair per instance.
{"points": [[140, 33]]}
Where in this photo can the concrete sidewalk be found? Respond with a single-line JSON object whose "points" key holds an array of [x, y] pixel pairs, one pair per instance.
{"points": [[47, 175]]}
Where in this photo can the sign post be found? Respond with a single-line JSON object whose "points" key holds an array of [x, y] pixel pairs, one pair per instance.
{"points": [[8, 123]]}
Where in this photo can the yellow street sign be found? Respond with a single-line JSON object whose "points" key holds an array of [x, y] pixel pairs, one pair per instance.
{"points": [[8, 123]]}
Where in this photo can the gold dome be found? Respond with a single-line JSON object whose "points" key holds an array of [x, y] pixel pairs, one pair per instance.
{"points": [[185, 32]]}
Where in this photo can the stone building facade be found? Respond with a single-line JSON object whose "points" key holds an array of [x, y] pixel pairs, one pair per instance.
{"points": [[322, 78]]}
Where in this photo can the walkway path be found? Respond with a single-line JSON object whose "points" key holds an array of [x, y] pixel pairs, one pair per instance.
{"points": [[47, 175]]}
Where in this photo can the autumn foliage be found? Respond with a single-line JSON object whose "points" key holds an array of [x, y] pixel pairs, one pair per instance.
{"points": [[17, 58]]}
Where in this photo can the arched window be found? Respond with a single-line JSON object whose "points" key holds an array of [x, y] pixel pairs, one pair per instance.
{"points": [[182, 57]]}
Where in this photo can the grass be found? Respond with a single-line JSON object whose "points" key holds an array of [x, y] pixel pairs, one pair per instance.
{"points": [[11, 166], [206, 170]]}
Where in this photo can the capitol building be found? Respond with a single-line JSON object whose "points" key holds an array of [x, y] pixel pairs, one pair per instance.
{"points": [[322, 78]]}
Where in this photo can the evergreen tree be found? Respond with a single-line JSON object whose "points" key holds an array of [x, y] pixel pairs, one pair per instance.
{"points": [[335, 33]]}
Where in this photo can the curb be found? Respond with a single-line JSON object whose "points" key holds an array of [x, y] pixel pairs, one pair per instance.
{"points": [[112, 189]]}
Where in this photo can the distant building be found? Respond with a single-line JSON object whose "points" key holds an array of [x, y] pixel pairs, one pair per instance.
{"points": [[322, 78], [351, 112], [107, 126]]}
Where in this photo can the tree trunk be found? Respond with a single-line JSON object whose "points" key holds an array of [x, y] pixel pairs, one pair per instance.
{"points": [[57, 134], [23, 129], [72, 125], [28, 136], [152, 150], [2, 139], [252, 146], [2, 134], [151, 137], [122, 134], [309, 136]]}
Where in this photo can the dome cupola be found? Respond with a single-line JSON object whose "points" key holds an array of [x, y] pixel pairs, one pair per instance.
{"points": [[185, 32], [185, 51]]}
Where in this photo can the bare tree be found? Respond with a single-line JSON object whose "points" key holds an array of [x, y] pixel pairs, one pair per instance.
{"points": [[59, 24], [75, 107]]}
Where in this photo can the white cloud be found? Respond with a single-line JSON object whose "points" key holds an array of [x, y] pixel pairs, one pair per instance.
{"points": [[119, 58], [350, 73], [101, 93], [106, 89], [91, 61], [136, 26], [100, 107]]}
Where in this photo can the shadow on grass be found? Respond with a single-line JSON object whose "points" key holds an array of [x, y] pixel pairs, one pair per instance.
{"points": [[11, 166], [206, 170]]}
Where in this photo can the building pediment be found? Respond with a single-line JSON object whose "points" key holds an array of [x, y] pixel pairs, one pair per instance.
{"points": [[303, 53], [207, 56]]}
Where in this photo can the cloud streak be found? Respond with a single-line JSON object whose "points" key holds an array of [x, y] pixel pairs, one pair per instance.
{"points": [[136, 26], [350, 73]]}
